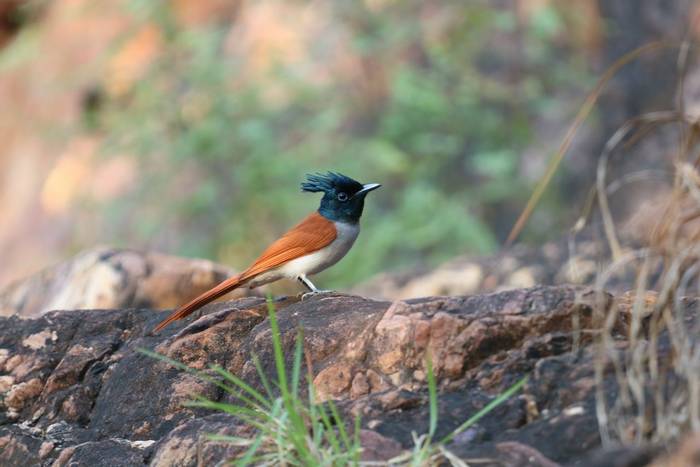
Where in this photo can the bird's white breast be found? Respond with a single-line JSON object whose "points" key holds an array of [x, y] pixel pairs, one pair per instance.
{"points": [[325, 257]]}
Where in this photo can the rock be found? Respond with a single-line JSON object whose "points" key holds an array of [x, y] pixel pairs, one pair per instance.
{"points": [[569, 261], [188, 444], [18, 448], [515, 454], [17, 396], [622, 456], [77, 391], [110, 452], [377, 448], [110, 278], [517, 267]]}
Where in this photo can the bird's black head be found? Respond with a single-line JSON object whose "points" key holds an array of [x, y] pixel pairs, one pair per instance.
{"points": [[343, 197]]}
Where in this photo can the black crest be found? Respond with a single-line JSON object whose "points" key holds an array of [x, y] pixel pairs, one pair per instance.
{"points": [[332, 181]]}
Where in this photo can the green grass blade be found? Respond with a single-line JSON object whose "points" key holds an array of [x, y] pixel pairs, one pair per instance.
{"points": [[297, 433], [339, 423], [330, 435], [356, 446], [277, 348], [249, 456], [326, 422], [263, 379], [432, 394], [317, 428], [296, 367], [252, 419], [454, 460], [248, 389], [181, 366], [504, 396], [237, 440], [204, 403]]}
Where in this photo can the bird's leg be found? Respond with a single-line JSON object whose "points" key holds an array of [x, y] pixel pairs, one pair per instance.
{"points": [[309, 285]]}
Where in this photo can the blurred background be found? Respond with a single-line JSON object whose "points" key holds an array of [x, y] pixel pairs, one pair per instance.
{"points": [[186, 126]]}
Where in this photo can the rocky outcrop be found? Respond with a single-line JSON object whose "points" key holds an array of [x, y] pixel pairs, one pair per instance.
{"points": [[511, 269], [75, 390], [572, 260], [111, 278]]}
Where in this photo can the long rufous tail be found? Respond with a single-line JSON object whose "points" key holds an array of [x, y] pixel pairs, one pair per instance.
{"points": [[311, 234], [208, 296]]}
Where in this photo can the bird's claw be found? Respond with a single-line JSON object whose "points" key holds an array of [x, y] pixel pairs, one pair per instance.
{"points": [[315, 292]]}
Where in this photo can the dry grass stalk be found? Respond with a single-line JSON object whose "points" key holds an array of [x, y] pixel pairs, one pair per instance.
{"points": [[656, 358]]}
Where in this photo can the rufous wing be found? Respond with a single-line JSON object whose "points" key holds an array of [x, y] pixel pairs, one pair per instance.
{"points": [[311, 234]]}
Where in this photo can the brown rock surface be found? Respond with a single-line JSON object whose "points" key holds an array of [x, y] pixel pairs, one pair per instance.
{"points": [[574, 260], [110, 278], [82, 394]]}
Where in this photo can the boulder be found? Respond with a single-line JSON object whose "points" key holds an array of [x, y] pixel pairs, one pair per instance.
{"points": [[111, 278], [576, 259], [569, 261], [75, 389]]}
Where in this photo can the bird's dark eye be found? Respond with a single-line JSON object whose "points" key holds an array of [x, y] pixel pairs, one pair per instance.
{"points": [[342, 196]]}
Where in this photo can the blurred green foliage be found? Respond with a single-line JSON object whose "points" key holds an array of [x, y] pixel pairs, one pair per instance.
{"points": [[440, 121]]}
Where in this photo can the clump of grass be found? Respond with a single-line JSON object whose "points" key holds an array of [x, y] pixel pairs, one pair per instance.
{"points": [[657, 374], [652, 351], [296, 430], [429, 451], [291, 430]]}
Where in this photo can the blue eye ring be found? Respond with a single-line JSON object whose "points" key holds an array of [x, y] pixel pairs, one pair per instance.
{"points": [[342, 196]]}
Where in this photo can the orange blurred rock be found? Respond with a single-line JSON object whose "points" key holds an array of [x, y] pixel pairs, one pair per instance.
{"points": [[108, 278], [133, 59], [42, 90], [194, 13]]}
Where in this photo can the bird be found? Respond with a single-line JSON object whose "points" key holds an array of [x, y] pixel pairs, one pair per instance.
{"points": [[318, 242]]}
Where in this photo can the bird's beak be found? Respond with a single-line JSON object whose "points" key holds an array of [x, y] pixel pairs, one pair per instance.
{"points": [[367, 188]]}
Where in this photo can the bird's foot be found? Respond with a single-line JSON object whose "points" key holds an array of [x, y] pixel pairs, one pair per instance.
{"points": [[315, 292]]}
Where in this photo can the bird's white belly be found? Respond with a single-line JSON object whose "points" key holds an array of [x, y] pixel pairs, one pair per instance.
{"points": [[318, 260], [325, 257]]}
